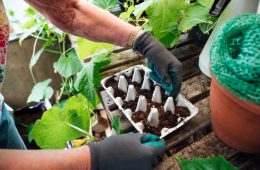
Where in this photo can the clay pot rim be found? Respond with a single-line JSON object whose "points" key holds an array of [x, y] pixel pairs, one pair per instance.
{"points": [[253, 108]]}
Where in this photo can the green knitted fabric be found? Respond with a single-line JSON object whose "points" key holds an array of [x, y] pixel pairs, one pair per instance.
{"points": [[235, 57]]}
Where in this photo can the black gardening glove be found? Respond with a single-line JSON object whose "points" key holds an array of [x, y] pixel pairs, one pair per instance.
{"points": [[126, 152], [166, 68]]}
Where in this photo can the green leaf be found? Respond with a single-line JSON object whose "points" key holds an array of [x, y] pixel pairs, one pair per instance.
{"points": [[195, 15], [162, 15], [89, 78], [212, 163], [61, 104], [11, 12], [206, 3], [36, 57], [29, 132], [206, 27], [29, 24], [28, 33], [57, 126], [106, 4], [116, 124], [126, 15], [140, 8], [30, 12], [86, 47], [41, 91], [68, 64]]}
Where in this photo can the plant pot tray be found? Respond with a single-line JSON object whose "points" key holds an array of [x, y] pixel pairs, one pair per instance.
{"points": [[128, 90]]}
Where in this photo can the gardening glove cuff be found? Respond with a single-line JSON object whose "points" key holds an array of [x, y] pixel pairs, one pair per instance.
{"points": [[126, 152], [166, 68]]}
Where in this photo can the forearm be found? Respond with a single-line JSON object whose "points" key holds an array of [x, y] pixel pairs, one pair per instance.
{"points": [[46, 159], [83, 19]]}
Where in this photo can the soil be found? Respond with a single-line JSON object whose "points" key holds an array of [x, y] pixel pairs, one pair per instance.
{"points": [[166, 120]]}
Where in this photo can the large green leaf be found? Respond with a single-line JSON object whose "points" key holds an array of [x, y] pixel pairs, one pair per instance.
{"points": [[213, 163], [41, 90], [162, 15], [58, 126], [68, 64], [86, 47], [195, 15], [106, 4], [89, 78]]}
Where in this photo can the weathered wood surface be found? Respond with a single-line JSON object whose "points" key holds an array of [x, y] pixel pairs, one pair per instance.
{"points": [[210, 145]]}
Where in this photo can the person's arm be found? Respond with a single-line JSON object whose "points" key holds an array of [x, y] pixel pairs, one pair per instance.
{"points": [[78, 159], [83, 19]]}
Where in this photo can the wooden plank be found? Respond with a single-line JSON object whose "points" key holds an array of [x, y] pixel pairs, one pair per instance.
{"points": [[195, 86], [210, 145], [126, 57]]}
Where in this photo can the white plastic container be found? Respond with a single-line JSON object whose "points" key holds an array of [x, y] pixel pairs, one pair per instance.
{"points": [[181, 101]]}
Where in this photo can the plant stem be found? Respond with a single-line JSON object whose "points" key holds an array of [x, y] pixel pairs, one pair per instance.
{"points": [[63, 86], [79, 129], [53, 51], [37, 37], [34, 48]]}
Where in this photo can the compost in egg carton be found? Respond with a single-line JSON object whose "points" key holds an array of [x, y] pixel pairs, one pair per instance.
{"points": [[148, 105]]}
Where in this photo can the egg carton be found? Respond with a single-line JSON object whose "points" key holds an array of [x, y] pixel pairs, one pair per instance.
{"points": [[146, 83]]}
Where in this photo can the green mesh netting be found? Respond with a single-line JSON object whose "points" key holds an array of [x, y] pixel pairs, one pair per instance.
{"points": [[235, 57]]}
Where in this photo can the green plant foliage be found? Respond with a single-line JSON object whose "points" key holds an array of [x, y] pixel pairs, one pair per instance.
{"points": [[68, 64], [29, 132], [162, 16], [206, 3], [36, 57], [140, 8], [116, 124], [89, 78], [57, 126], [168, 18], [30, 12], [86, 47], [11, 12], [206, 27], [29, 24], [212, 163], [126, 15], [106, 4], [61, 104], [193, 16], [40, 91]]}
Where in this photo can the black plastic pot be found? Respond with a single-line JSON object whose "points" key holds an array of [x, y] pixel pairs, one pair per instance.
{"points": [[196, 35]]}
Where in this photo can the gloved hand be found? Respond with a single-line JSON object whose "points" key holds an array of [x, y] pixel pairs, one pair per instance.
{"points": [[166, 68], [126, 152]]}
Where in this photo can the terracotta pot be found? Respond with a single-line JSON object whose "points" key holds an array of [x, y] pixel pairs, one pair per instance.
{"points": [[236, 122]]}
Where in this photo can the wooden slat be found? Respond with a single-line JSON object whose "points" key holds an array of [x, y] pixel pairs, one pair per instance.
{"points": [[195, 86], [210, 145]]}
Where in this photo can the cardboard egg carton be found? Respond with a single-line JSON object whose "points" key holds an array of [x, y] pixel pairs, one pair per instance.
{"points": [[139, 75]]}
